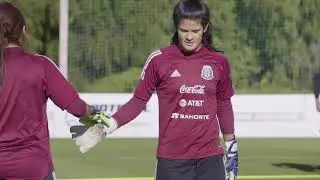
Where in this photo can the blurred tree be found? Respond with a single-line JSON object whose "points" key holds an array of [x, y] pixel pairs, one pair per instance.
{"points": [[272, 46], [42, 19]]}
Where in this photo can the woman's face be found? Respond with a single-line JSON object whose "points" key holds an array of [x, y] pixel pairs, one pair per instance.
{"points": [[190, 34]]}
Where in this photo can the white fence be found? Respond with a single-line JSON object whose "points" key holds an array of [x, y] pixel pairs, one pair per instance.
{"points": [[255, 116]]}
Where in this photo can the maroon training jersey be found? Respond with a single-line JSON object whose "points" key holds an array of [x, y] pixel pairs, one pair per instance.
{"points": [[24, 138], [189, 88]]}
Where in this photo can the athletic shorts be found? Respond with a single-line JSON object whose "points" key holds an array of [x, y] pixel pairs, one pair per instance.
{"points": [[50, 176], [209, 168]]}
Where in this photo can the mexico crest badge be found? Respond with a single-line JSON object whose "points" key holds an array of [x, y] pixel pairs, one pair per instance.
{"points": [[207, 72]]}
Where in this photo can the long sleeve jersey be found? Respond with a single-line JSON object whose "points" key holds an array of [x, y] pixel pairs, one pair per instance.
{"points": [[194, 94]]}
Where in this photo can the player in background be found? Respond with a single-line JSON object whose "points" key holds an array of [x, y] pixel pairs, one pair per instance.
{"points": [[316, 87], [26, 82], [194, 88]]}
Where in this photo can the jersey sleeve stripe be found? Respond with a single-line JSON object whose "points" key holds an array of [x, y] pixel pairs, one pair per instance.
{"points": [[47, 58], [151, 56]]}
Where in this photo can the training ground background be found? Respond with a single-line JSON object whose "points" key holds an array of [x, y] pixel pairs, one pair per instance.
{"points": [[134, 159]]}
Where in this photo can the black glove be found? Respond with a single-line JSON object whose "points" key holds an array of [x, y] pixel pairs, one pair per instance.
{"points": [[78, 130], [86, 123]]}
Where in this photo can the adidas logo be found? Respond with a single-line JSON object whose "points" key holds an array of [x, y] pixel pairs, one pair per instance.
{"points": [[175, 73]]}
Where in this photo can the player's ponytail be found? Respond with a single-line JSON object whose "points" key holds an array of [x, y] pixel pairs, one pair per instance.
{"points": [[3, 44], [12, 25]]}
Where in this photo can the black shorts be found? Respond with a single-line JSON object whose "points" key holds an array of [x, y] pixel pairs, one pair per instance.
{"points": [[209, 168], [50, 176]]}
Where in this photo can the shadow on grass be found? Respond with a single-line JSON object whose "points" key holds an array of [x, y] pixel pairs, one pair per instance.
{"points": [[299, 166]]}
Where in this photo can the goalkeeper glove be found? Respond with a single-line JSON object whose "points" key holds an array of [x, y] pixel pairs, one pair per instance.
{"points": [[95, 116], [94, 128], [231, 162]]}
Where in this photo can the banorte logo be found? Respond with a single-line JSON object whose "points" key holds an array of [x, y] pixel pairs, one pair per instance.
{"points": [[197, 89]]}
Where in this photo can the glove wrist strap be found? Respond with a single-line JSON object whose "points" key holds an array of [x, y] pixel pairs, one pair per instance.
{"points": [[93, 110], [231, 147], [112, 125]]}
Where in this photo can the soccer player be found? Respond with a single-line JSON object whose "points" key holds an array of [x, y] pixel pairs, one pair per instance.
{"points": [[316, 86], [194, 88], [26, 82]]}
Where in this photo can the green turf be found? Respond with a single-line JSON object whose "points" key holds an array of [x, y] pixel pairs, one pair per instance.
{"points": [[136, 158]]}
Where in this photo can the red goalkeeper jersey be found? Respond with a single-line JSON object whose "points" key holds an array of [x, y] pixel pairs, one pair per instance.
{"points": [[193, 90], [29, 80]]}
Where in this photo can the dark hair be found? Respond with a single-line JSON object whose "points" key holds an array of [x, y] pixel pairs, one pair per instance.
{"points": [[195, 10], [11, 30]]}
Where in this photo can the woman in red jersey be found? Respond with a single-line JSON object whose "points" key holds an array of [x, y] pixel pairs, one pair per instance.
{"points": [[26, 82], [194, 88]]}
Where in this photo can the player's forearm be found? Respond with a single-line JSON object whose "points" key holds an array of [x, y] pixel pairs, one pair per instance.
{"points": [[225, 117], [129, 111], [79, 108], [228, 137]]}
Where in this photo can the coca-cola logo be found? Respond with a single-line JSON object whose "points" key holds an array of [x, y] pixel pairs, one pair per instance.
{"points": [[197, 89]]}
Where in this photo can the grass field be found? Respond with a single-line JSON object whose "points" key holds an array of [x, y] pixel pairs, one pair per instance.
{"points": [[134, 159]]}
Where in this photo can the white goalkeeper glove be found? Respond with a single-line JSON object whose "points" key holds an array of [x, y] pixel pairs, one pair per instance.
{"points": [[231, 160], [93, 130]]}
